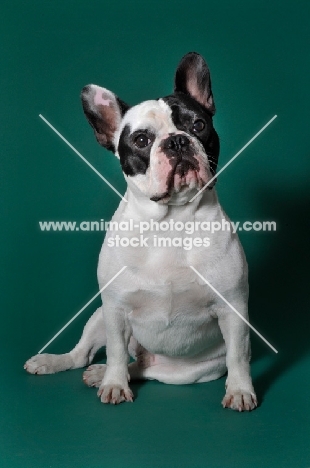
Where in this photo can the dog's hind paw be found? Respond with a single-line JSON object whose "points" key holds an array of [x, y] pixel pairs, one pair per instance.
{"points": [[94, 374], [39, 364], [48, 363]]}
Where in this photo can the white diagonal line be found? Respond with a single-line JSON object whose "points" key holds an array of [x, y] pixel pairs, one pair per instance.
{"points": [[82, 157], [81, 310], [235, 310], [234, 157]]}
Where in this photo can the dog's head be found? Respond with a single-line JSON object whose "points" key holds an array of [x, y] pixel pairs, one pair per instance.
{"points": [[168, 148]]}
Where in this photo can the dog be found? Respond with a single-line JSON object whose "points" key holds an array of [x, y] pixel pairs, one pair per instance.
{"points": [[159, 309]]}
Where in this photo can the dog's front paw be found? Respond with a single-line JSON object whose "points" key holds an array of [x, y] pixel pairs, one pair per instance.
{"points": [[94, 374], [113, 393], [240, 400]]}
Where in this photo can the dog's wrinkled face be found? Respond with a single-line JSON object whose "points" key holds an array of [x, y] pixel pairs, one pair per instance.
{"points": [[163, 147], [168, 148]]}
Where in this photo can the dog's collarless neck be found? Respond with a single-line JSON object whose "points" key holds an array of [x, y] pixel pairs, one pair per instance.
{"points": [[144, 208]]}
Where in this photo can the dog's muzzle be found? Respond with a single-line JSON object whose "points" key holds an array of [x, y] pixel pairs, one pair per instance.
{"points": [[179, 152]]}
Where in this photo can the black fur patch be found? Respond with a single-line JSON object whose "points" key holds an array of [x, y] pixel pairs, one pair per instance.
{"points": [[134, 160], [192, 77], [185, 111]]}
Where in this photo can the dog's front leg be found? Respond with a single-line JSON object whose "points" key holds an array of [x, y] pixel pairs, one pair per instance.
{"points": [[114, 387], [240, 393]]}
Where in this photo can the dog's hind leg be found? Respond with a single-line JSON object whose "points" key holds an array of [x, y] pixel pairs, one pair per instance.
{"points": [[177, 371], [92, 339], [148, 366], [94, 374]]}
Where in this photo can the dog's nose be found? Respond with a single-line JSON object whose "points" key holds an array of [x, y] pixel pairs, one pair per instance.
{"points": [[177, 143]]}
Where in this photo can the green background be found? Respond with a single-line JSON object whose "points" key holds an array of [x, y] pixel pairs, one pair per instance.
{"points": [[258, 53]]}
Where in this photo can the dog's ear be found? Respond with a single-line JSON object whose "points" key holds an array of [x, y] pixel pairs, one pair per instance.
{"points": [[193, 77], [104, 111]]}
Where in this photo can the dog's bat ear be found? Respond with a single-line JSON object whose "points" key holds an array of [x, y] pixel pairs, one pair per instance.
{"points": [[193, 77], [104, 111]]}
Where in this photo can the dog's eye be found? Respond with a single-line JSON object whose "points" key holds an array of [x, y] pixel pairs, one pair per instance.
{"points": [[198, 126], [141, 141]]}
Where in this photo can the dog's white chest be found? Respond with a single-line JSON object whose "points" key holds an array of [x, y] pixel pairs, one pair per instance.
{"points": [[170, 309], [172, 317]]}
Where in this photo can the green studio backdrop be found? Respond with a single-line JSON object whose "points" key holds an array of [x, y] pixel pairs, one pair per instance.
{"points": [[258, 55]]}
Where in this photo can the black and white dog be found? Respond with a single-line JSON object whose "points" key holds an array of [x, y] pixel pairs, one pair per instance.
{"points": [[158, 309]]}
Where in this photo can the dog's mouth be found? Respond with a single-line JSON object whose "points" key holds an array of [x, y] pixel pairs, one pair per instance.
{"points": [[179, 189], [161, 198], [185, 177]]}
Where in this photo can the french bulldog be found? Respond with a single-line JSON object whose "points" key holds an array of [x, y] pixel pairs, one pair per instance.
{"points": [[159, 310]]}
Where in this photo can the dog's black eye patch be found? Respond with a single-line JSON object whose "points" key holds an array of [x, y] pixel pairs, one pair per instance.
{"points": [[134, 150], [191, 117]]}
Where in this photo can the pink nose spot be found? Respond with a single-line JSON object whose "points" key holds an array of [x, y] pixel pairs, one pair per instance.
{"points": [[100, 100]]}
